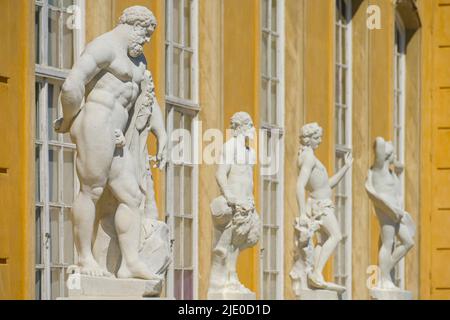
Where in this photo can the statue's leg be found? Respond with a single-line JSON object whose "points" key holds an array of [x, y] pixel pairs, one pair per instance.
{"points": [[83, 213], [321, 238], [223, 244], [232, 257], [385, 254], [125, 187], [151, 210], [406, 243], [330, 226], [92, 169]]}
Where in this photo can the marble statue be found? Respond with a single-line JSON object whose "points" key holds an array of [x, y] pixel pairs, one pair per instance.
{"points": [[317, 220], [236, 222], [109, 108], [384, 188]]}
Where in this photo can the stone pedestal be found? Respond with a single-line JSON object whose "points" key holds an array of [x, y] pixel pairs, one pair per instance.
{"points": [[231, 295], [383, 294], [317, 295], [98, 288]]}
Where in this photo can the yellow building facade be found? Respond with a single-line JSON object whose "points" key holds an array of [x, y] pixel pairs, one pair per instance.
{"points": [[360, 68]]}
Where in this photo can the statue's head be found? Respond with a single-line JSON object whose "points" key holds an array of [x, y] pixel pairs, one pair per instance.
{"points": [[143, 24], [389, 152], [242, 124], [311, 135]]}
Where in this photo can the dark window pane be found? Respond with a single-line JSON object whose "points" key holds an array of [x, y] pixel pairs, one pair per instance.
{"points": [[38, 244], [53, 38], [178, 275], [54, 235], [188, 285]]}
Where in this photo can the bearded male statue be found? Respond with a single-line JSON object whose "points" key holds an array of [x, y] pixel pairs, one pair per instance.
{"points": [[109, 107]]}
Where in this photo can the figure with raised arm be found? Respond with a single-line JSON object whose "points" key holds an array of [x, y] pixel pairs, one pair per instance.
{"points": [[317, 215]]}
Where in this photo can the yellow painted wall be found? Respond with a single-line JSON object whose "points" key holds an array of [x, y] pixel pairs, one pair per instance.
{"points": [[211, 115], [435, 178], [294, 119], [362, 146], [17, 150]]}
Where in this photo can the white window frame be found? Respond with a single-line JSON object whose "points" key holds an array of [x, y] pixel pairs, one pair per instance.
{"points": [[342, 149], [277, 133], [45, 75], [188, 107], [399, 112]]}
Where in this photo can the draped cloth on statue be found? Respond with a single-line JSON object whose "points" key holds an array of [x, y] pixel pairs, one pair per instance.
{"points": [[382, 205]]}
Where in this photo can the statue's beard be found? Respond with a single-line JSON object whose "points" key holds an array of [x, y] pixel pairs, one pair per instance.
{"points": [[135, 49]]}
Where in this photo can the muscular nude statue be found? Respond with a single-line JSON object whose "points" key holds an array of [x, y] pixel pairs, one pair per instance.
{"points": [[97, 99], [384, 189], [319, 206], [234, 214]]}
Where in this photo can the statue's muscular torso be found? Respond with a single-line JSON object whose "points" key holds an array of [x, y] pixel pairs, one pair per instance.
{"points": [[318, 184], [240, 176], [113, 91]]}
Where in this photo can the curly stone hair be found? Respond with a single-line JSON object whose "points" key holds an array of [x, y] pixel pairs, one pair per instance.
{"points": [[239, 120], [308, 131], [140, 15]]}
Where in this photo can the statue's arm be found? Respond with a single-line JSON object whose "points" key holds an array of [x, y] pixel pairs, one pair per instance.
{"points": [[93, 59], [159, 131], [380, 153], [306, 164], [222, 172], [334, 180]]}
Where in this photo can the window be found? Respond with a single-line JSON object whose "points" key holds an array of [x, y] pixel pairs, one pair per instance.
{"points": [[343, 141], [56, 181], [182, 172], [272, 147], [399, 115]]}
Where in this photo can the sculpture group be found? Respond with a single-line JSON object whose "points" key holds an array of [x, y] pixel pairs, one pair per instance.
{"points": [[109, 108]]}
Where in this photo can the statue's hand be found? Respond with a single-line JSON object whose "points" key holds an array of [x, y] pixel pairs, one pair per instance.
{"points": [[119, 138], [398, 168], [303, 221], [161, 158], [231, 199], [348, 159], [400, 214]]}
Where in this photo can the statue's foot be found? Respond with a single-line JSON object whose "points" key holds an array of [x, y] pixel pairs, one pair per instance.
{"points": [[137, 271], [61, 126], [334, 287], [316, 281], [387, 284], [91, 268]]}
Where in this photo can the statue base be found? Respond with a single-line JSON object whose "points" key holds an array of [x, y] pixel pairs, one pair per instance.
{"points": [[389, 294], [98, 288], [317, 295], [231, 295]]}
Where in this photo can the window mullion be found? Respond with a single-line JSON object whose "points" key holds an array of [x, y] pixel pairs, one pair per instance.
{"points": [[46, 210]]}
